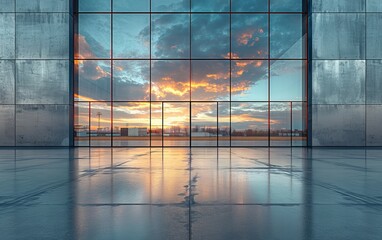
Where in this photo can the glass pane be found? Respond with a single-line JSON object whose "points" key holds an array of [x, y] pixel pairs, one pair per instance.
{"points": [[204, 124], [210, 36], [249, 124], [156, 124], [94, 33], [131, 6], [176, 124], [170, 5], [249, 36], [170, 80], [287, 80], [281, 124], [81, 124], [131, 36], [131, 124], [170, 36], [100, 124], [249, 80], [287, 5], [94, 5], [210, 80], [249, 5], [93, 80], [224, 121], [131, 80], [210, 6], [287, 36], [299, 134]]}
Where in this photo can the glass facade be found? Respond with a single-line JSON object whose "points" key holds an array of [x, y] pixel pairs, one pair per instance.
{"points": [[190, 73]]}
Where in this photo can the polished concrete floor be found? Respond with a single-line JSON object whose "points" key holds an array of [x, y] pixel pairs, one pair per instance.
{"points": [[183, 193]]}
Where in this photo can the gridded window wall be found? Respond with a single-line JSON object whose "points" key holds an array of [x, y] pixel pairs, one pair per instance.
{"points": [[191, 73]]}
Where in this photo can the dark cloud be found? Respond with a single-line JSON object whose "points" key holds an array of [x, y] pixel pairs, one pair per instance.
{"points": [[210, 35], [286, 6], [250, 36], [131, 80], [249, 116], [171, 36], [170, 5], [210, 80], [170, 80], [250, 5], [94, 79], [94, 6], [131, 5], [210, 6]]}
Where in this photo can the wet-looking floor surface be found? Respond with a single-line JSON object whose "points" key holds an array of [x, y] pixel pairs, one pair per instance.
{"points": [[191, 193]]}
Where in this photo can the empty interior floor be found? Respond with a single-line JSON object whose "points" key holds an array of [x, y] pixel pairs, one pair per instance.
{"points": [[190, 193]]}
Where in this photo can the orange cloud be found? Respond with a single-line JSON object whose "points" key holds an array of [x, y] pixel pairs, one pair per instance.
{"points": [[230, 55], [243, 64], [240, 86], [118, 68], [217, 76], [240, 72], [244, 38], [246, 117], [83, 98], [101, 73], [82, 48], [169, 86]]}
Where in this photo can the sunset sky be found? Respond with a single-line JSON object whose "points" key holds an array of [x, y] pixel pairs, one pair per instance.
{"points": [[193, 59]]}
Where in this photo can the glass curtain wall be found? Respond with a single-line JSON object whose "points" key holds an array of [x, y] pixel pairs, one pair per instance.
{"points": [[190, 73]]}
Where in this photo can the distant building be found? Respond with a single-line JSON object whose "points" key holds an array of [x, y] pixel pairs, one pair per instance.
{"points": [[201, 134], [134, 132]]}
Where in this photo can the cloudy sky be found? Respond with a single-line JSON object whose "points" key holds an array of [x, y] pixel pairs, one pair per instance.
{"points": [[191, 59]]}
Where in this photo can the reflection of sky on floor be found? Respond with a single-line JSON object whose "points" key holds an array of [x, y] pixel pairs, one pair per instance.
{"points": [[190, 193]]}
